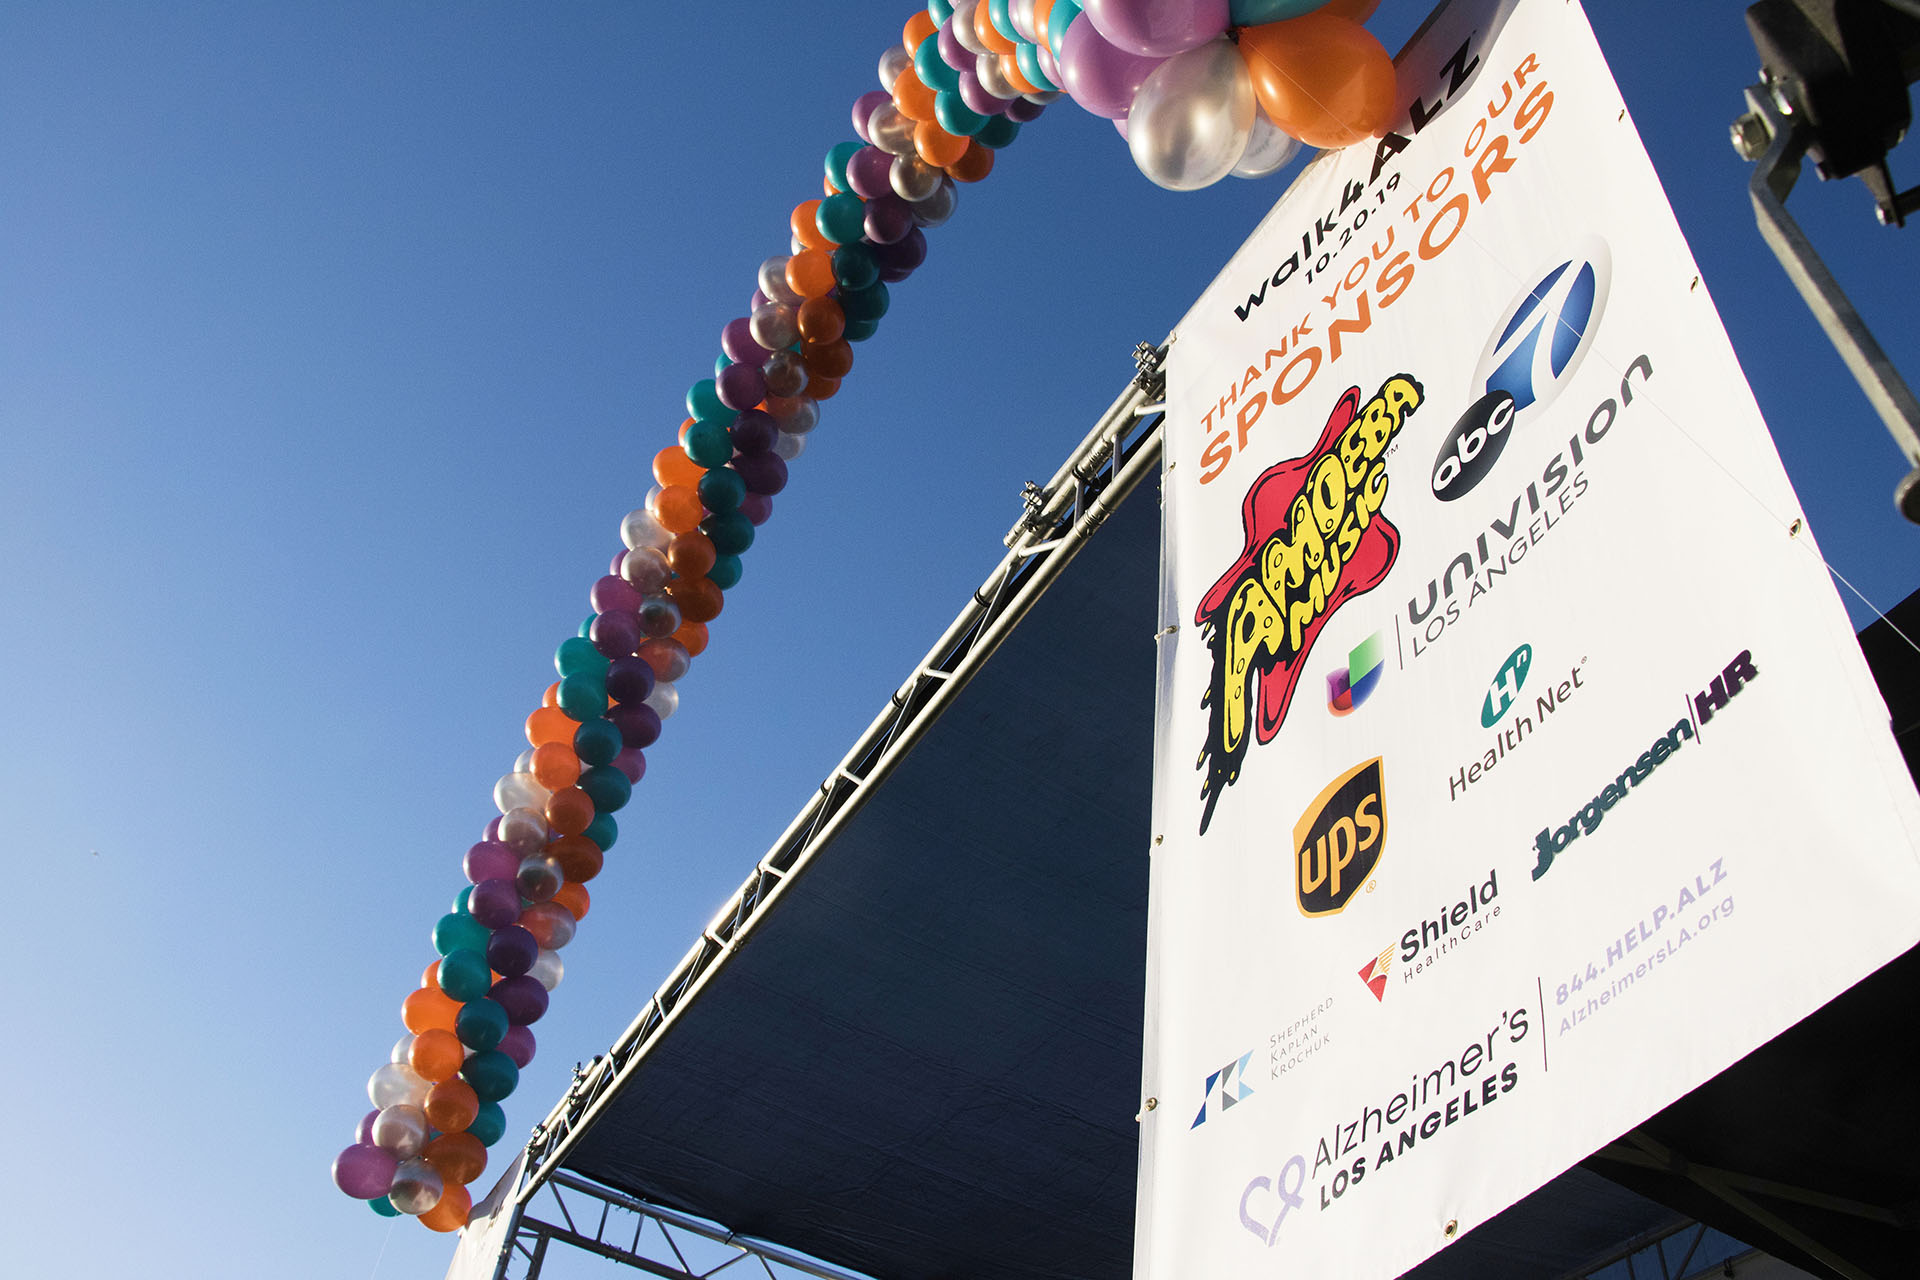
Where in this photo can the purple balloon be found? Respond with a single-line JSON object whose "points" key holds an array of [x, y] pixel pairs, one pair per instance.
{"points": [[952, 52], [518, 1045], [975, 95], [616, 634], [495, 903], [364, 1134], [863, 108], [492, 831], [763, 472], [753, 431], [522, 996], [898, 260], [1096, 74], [869, 173], [741, 386], [632, 762], [757, 508], [888, 218], [364, 1171], [611, 593], [757, 301], [736, 340], [638, 723], [1156, 28], [490, 860], [1021, 111], [1049, 65], [511, 951], [629, 679]]}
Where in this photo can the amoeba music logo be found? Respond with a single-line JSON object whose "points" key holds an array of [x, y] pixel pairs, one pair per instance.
{"points": [[1536, 346], [1229, 1084]]}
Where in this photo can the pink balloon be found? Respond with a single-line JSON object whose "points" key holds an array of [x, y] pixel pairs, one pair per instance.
{"points": [[1096, 74], [1157, 28]]}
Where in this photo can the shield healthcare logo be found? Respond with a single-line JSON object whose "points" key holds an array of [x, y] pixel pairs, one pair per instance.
{"points": [[1314, 539], [1374, 973], [1536, 345]]}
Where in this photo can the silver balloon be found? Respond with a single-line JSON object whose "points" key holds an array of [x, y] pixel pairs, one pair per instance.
{"points": [[939, 206], [775, 325], [785, 372], [646, 569], [993, 80], [525, 830], [892, 63], [788, 446], [401, 1129], [797, 415], [396, 1083], [1047, 97], [653, 506], [640, 529], [417, 1187], [915, 179], [539, 877], [519, 791], [963, 29], [890, 130], [402, 1050], [523, 763], [1269, 147], [1020, 13], [1190, 119], [548, 969], [796, 245], [665, 699], [659, 616], [773, 282]]}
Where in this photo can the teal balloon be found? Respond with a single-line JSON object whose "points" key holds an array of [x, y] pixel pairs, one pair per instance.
{"points": [[1001, 19], [703, 402], [720, 362], [1254, 13], [1028, 56], [492, 1074], [383, 1206], [999, 132], [939, 11], [586, 626], [861, 330], [603, 831], [607, 787], [933, 69], [837, 162], [597, 741], [583, 695], [854, 267], [480, 1024], [951, 112], [725, 573], [454, 932], [577, 654], [490, 1125], [708, 443], [460, 900], [730, 532], [722, 489], [866, 304], [842, 218], [1064, 12], [464, 974]]}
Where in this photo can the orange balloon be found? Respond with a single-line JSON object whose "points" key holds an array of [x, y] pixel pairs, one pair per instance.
{"points": [[551, 698], [550, 724], [810, 274], [1358, 10], [935, 145], [989, 34], [672, 466], [437, 1055], [429, 1009], [806, 226], [699, 601], [679, 508], [580, 859], [827, 359], [821, 319], [822, 388], [973, 166], [912, 96], [431, 978], [690, 554], [918, 28], [555, 765], [1042, 11], [460, 1157], [1010, 68], [1322, 78], [452, 1105], [574, 898], [693, 635], [570, 811], [451, 1213]]}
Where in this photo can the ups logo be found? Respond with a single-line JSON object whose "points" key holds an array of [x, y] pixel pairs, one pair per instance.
{"points": [[1338, 840]]}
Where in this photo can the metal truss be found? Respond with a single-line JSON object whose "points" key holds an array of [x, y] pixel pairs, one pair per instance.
{"points": [[1122, 448]]}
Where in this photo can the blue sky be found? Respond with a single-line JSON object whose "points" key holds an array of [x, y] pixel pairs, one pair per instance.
{"points": [[335, 340]]}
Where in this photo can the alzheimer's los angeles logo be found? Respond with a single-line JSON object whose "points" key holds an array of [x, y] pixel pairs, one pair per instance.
{"points": [[1315, 539]]}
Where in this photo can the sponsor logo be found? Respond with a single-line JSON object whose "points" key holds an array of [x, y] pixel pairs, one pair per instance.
{"points": [[1300, 1039], [1374, 973], [1338, 841], [1536, 345], [1506, 686], [1229, 1085], [1552, 841], [1350, 686], [1315, 539], [1430, 941]]}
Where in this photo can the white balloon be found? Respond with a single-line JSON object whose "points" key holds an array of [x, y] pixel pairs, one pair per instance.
{"points": [[1190, 119], [401, 1129], [773, 282], [519, 791], [548, 969], [402, 1051], [963, 28], [1269, 147], [892, 63], [665, 699], [417, 1187], [789, 446], [525, 829], [397, 1083], [640, 529]]}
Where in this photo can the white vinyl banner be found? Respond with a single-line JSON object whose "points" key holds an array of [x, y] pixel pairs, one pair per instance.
{"points": [[1517, 769]]}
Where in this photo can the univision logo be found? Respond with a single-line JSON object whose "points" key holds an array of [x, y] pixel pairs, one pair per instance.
{"points": [[1537, 345], [1353, 684], [1506, 686]]}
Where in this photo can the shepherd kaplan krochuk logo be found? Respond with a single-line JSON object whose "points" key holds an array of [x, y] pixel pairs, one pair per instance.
{"points": [[1228, 1085], [1536, 345], [1338, 840], [1315, 539]]}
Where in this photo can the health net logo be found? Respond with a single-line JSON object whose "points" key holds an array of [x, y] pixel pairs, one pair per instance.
{"points": [[1314, 540]]}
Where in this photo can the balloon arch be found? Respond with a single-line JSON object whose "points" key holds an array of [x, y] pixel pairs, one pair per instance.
{"points": [[1200, 89]]}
